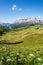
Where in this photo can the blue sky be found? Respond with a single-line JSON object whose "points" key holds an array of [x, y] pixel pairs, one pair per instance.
{"points": [[10, 10]]}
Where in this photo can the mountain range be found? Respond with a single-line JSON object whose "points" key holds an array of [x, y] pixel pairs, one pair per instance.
{"points": [[22, 23]]}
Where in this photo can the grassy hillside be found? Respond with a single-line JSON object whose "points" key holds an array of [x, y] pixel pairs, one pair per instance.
{"points": [[26, 37]]}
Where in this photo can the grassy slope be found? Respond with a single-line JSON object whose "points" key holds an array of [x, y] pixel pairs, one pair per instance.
{"points": [[32, 37]]}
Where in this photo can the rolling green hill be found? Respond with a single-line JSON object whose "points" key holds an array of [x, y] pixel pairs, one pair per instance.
{"points": [[30, 37]]}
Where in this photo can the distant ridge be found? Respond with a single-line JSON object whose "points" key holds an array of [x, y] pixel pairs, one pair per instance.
{"points": [[27, 21], [33, 20], [22, 23]]}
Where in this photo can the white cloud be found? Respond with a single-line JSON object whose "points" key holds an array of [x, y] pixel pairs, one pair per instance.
{"points": [[14, 7], [20, 9]]}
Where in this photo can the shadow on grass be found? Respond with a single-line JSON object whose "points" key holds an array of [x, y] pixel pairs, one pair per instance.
{"points": [[9, 42]]}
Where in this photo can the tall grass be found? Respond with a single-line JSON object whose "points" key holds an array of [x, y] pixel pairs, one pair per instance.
{"points": [[21, 57]]}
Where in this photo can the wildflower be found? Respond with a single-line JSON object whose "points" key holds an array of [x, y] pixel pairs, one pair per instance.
{"points": [[4, 48], [17, 53], [19, 59], [39, 59], [31, 55], [9, 59]]}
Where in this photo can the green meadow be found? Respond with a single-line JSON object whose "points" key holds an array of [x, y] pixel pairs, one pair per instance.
{"points": [[22, 46], [30, 37]]}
